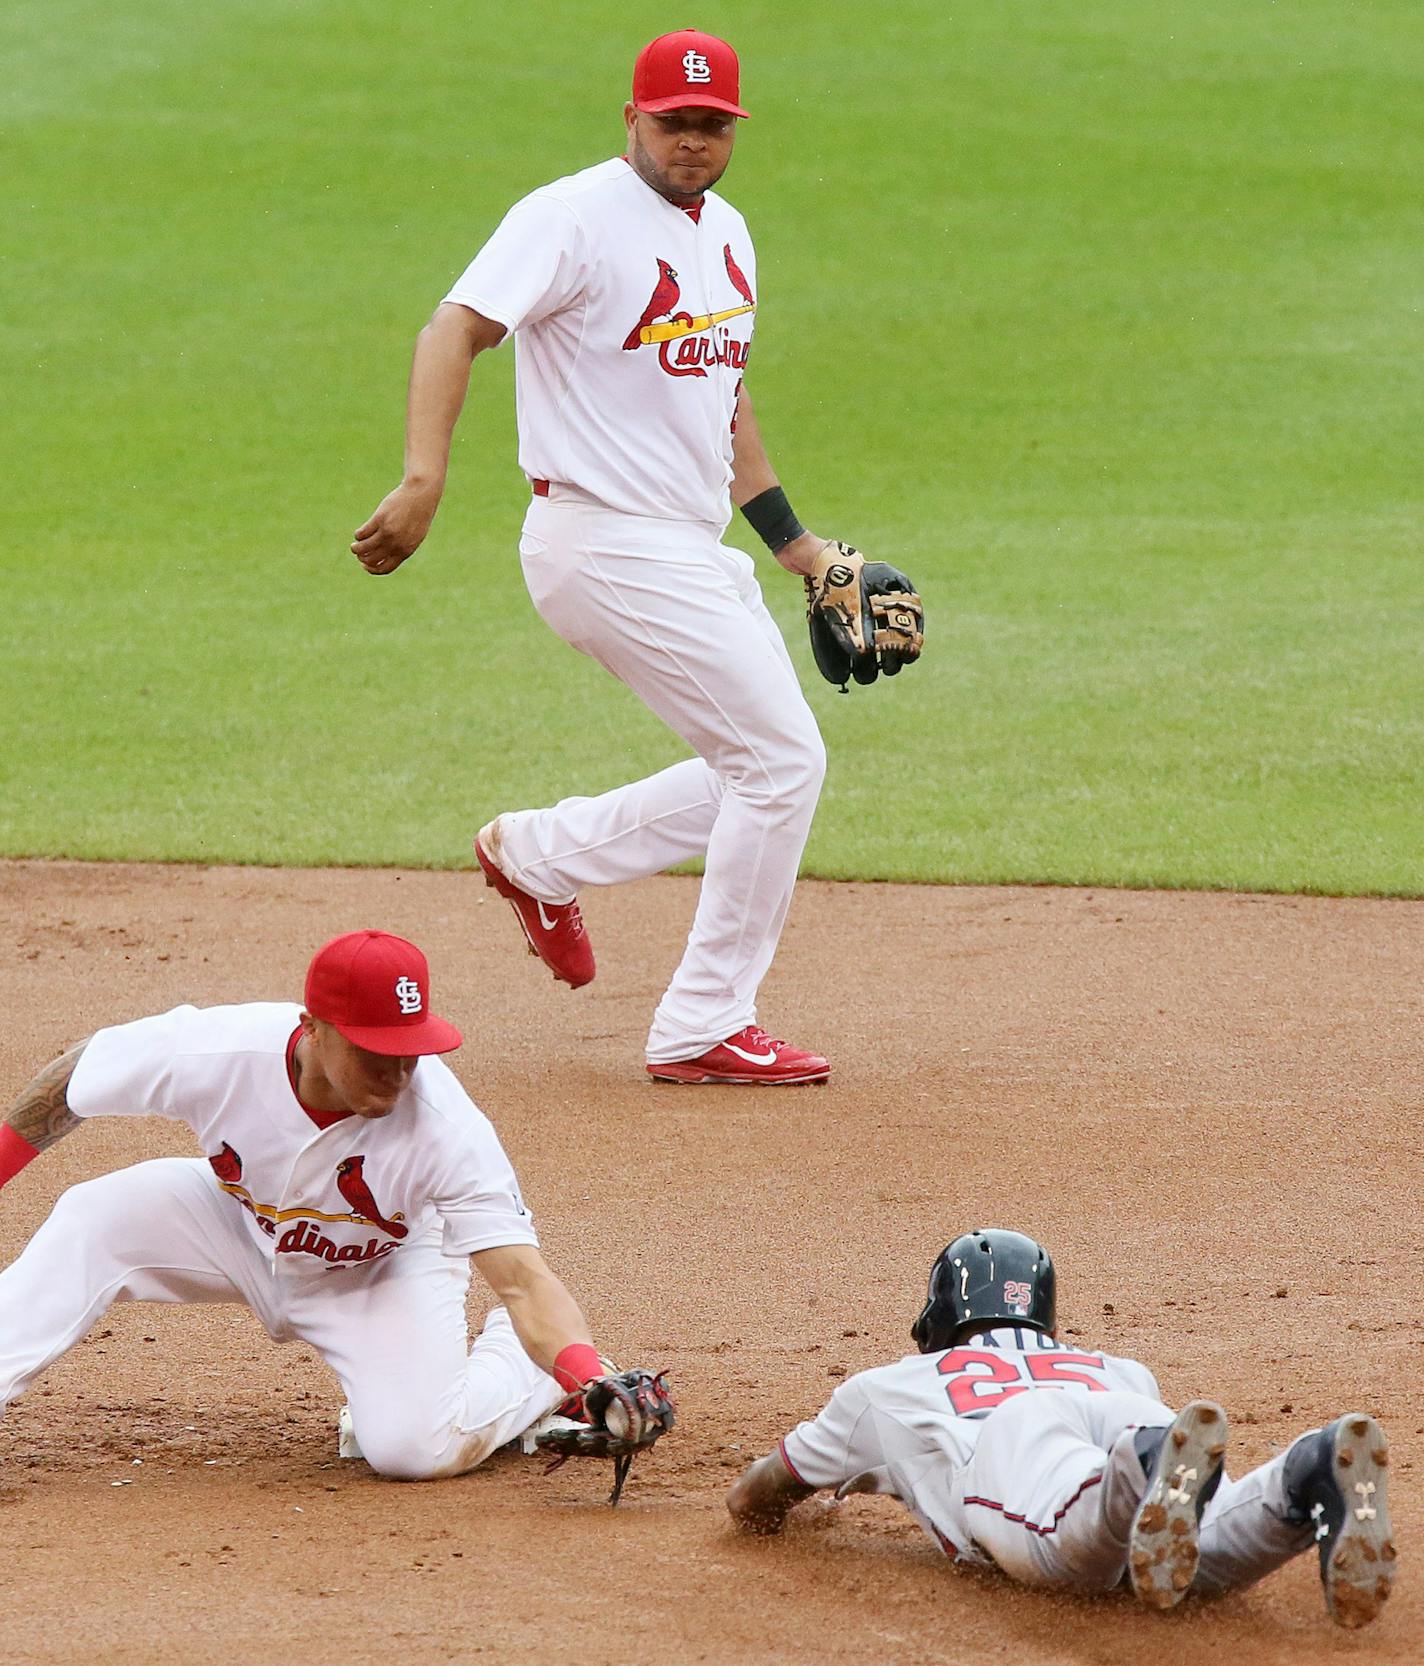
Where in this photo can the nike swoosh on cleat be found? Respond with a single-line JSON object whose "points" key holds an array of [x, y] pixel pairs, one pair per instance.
{"points": [[544, 920], [751, 1058]]}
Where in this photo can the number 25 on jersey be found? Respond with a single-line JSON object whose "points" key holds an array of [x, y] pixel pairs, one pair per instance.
{"points": [[980, 1379]]}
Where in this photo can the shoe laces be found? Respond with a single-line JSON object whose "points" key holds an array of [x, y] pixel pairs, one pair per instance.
{"points": [[757, 1037], [566, 917]]}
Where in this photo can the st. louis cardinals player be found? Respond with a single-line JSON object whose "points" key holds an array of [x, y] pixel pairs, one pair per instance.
{"points": [[1062, 1467], [630, 291], [348, 1182]]}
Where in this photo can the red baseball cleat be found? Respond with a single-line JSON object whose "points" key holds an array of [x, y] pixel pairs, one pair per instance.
{"points": [[554, 930], [750, 1058]]}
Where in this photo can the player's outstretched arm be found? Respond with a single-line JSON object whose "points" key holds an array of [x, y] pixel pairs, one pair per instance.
{"points": [[762, 1497], [439, 379], [40, 1116], [545, 1316], [757, 493]]}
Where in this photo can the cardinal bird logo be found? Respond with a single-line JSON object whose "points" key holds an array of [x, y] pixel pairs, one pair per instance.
{"points": [[735, 273], [666, 294], [227, 1165], [351, 1183]]}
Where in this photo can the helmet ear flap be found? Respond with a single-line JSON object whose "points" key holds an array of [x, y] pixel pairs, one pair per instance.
{"points": [[929, 1331]]}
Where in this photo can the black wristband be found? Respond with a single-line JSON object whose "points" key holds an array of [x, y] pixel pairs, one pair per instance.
{"points": [[773, 519]]}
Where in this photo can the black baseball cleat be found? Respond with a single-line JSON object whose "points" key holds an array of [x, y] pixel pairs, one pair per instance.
{"points": [[1183, 1466], [1335, 1482]]}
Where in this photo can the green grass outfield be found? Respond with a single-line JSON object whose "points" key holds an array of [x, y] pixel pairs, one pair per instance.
{"points": [[1103, 319]]}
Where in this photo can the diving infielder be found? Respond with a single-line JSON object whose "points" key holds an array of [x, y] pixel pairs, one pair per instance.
{"points": [[631, 290], [1062, 1467], [347, 1183]]}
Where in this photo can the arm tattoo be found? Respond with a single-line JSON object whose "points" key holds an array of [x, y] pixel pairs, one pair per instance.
{"points": [[41, 1114]]}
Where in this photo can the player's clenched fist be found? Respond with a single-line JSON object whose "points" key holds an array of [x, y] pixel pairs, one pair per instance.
{"points": [[396, 530]]}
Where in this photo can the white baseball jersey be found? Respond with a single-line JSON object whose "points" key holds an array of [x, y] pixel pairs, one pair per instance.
{"points": [[318, 1194], [909, 1429], [632, 324]]}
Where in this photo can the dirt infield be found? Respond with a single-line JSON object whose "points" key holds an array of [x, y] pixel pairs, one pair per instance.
{"points": [[1206, 1104]]}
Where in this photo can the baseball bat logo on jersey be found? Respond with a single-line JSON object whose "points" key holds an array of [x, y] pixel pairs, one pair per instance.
{"points": [[689, 343], [305, 1237], [351, 1183]]}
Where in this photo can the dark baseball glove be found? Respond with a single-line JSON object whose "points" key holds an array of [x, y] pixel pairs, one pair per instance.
{"points": [[616, 1417], [865, 617]]}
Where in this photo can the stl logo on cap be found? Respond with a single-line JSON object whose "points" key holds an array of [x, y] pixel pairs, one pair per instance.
{"points": [[350, 985], [687, 69]]}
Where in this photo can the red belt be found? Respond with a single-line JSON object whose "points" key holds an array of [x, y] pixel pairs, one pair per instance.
{"points": [[540, 487]]}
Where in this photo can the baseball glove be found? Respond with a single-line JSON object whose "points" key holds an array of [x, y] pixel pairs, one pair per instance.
{"points": [[865, 617], [616, 1417]]}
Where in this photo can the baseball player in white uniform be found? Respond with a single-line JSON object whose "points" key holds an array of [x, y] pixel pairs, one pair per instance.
{"points": [[1062, 1467], [347, 1184], [630, 291]]}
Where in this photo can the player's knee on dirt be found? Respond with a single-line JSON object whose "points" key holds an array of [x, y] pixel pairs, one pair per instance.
{"points": [[403, 1455], [411, 1452]]}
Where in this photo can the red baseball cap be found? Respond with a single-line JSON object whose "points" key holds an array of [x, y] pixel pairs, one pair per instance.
{"points": [[685, 68], [375, 989]]}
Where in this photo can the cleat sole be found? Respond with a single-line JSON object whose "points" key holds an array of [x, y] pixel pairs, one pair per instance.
{"points": [[1358, 1572], [1163, 1553]]}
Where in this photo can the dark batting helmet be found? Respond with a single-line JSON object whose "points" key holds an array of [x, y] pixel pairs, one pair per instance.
{"points": [[983, 1277]]}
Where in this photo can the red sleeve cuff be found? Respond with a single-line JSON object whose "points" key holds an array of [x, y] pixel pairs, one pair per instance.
{"points": [[15, 1152], [576, 1365]]}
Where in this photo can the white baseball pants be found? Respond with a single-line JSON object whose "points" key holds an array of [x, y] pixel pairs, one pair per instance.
{"points": [[678, 617], [1055, 1481], [423, 1402]]}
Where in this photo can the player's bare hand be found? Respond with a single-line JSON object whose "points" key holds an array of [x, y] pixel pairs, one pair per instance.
{"points": [[800, 554], [397, 529]]}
